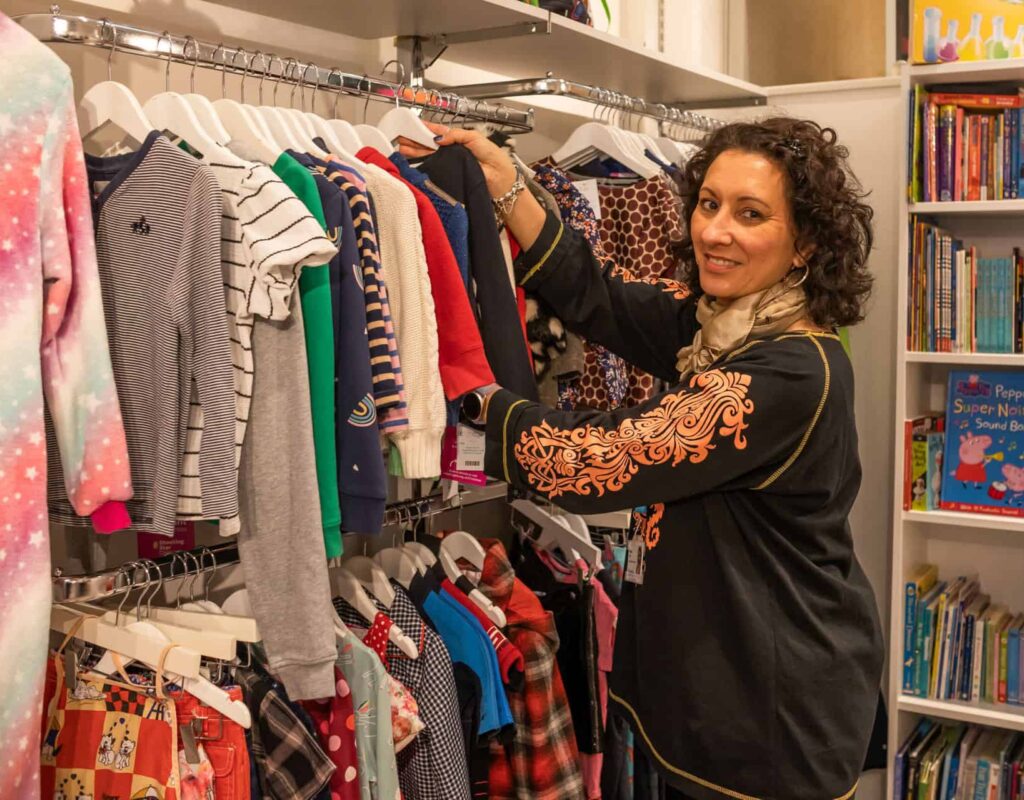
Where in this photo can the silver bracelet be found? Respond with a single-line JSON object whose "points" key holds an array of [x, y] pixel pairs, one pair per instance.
{"points": [[503, 205]]}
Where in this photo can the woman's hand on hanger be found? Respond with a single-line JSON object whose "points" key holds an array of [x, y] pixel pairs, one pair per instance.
{"points": [[526, 219], [498, 168]]}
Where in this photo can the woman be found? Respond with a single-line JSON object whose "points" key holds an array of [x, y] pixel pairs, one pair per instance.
{"points": [[749, 649]]}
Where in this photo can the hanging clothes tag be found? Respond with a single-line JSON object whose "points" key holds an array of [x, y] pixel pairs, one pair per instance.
{"points": [[188, 741], [71, 669], [462, 459], [590, 193], [636, 560], [471, 445]]}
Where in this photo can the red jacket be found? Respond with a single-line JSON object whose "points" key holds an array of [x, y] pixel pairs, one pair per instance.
{"points": [[460, 349]]}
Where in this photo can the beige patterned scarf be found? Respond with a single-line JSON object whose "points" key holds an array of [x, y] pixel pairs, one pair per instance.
{"points": [[725, 326]]}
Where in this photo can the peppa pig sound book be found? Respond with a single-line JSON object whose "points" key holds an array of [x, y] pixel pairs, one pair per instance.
{"points": [[984, 458]]}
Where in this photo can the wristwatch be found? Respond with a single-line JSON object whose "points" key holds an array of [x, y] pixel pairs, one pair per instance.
{"points": [[474, 404]]}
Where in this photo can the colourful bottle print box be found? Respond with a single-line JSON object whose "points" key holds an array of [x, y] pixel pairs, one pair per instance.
{"points": [[984, 458], [967, 30]]}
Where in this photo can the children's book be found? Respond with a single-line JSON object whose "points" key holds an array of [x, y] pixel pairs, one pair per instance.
{"points": [[918, 584], [984, 452]]}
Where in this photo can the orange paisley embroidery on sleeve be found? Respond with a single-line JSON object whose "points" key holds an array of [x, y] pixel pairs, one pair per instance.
{"points": [[678, 290], [648, 524], [588, 459]]}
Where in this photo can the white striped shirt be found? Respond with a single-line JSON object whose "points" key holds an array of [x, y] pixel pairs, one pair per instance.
{"points": [[267, 236]]}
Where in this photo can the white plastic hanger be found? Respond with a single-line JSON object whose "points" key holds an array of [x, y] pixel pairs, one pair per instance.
{"points": [[115, 638], [398, 565], [425, 554], [596, 136], [145, 638], [345, 585], [199, 687], [201, 105], [212, 644], [459, 544], [405, 123], [281, 128], [170, 111], [240, 124], [369, 573], [113, 102], [299, 120], [206, 614], [371, 137], [344, 136], [592, 137], [554, 533]]}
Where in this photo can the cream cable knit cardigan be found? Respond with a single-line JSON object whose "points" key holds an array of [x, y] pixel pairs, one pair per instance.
{"points": [[404, 266]]}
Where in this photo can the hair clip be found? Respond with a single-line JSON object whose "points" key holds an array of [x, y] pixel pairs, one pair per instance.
{"points": [[795, 146]]}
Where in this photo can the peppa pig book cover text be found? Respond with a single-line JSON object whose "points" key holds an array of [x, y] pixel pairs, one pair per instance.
{"points": [[984, 458]]}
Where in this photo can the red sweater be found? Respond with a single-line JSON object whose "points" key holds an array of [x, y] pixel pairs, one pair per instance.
{"points": [[461, 355]]}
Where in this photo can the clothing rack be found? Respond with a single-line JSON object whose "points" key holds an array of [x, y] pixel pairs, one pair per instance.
{"points": [[114, 581], [628, 105], [119, 37]]}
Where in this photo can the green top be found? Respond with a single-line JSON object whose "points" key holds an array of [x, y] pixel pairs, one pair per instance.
{"points": [[315, 295]]}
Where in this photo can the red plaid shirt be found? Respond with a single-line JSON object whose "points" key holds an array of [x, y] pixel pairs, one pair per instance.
{"points": [[542, 762]]}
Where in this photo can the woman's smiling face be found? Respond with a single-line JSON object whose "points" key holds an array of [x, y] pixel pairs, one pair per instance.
{"points": [[742, 229]]}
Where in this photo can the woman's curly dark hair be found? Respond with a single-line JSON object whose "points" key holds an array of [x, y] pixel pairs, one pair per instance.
{"points": [[826, 204]]}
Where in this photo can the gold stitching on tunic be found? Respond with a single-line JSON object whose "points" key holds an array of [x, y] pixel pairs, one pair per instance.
{"points": [[689, 775], [810, 428], [682, 428], [545, 257], [504, 439]]}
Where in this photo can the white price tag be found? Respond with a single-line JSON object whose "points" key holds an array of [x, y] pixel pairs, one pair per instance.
{"points": [[589, 191], [470, 451], [636, 556]]}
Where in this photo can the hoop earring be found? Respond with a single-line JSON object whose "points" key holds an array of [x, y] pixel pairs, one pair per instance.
{"points": [[807, 271]]}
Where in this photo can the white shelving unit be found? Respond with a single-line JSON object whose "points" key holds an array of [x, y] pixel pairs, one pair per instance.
{"points": [[959, 543], [986, 208], [571, 51]]}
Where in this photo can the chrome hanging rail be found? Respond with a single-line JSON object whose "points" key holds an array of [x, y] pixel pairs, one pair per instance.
{"points": [[114, 581], [58, 27], [628, 105]]}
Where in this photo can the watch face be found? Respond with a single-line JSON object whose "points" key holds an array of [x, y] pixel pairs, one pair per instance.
{"points": [[472, 405]]}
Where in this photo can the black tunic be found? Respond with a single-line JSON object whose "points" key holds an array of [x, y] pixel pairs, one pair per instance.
{"points": [[749, 660]]}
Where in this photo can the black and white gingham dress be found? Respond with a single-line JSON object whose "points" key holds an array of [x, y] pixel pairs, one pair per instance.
{"points": [[433, 766]]}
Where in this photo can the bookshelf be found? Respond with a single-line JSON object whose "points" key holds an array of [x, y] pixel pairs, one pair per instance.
{"points": [[960, 519], [967, 359], [995, 716], [988, 208], [959, 543]]}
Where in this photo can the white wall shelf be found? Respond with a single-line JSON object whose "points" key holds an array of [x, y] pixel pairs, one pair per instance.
{"points": [[971, 207], [572, 51], [967, 359], [995, 716], [961, 519], [1011, 69]]}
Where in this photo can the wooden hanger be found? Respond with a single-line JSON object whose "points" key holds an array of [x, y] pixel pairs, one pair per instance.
{"points": [[110, 102]]}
